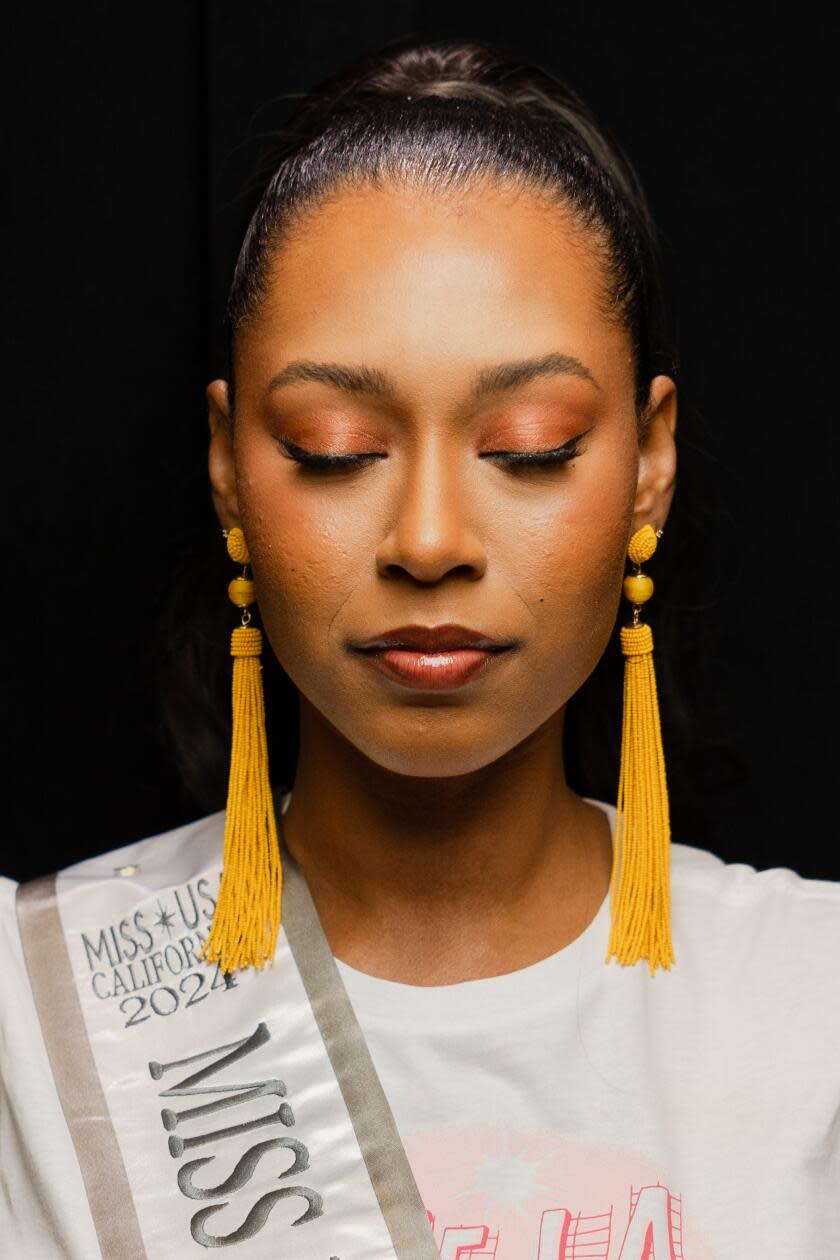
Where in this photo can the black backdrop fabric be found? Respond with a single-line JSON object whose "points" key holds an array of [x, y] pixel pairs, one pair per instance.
{"points": [[130, 130]]}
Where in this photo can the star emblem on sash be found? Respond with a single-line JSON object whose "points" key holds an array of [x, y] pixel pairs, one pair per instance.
{"points": [[164, 920]]}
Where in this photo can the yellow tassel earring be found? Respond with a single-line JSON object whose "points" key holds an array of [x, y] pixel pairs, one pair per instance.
{"points": [[247, 916], [641, 904]]}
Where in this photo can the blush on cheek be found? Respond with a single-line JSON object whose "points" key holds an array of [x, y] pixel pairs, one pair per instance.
{"points": [[600, 511], [589, 559]]}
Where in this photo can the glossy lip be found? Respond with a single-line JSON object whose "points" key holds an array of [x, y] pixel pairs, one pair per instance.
{"points": [[432, 658], [432, 671]]}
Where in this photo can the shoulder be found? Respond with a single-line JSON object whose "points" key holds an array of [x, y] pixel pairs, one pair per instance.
{"points": [[192, 840], [719, 905], [770, 923], [8, 892], [165, 858], [39, 1159], [104, 881], [741, 889], [160, 860]]}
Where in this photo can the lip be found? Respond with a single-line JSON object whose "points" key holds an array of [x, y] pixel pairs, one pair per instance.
{"points": [[429, 671], [432, 657], [441, 638]]}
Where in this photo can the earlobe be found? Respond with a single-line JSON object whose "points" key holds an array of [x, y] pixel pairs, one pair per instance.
{"points": [[658, 456], [221, 462]]}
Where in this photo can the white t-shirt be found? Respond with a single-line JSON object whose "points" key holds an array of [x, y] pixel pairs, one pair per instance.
{"points": [[569, 1109]]}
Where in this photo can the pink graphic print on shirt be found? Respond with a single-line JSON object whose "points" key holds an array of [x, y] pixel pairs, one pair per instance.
{"points": [[523, 1196]]}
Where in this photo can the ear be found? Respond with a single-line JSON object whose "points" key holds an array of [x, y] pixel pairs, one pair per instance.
{"points": [[221, 463], [658, 456]]}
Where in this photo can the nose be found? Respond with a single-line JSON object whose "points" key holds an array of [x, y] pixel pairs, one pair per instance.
{"points": [[432, 519]]}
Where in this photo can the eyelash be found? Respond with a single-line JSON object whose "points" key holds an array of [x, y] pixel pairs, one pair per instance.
{"points": [[555, 457]]}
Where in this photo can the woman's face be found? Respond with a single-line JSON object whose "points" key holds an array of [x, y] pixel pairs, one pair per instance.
{"points": [[419, 304]]}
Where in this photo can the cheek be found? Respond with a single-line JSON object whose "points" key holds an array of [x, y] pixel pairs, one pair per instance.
{"points": [[571, 560], [305, 561]]}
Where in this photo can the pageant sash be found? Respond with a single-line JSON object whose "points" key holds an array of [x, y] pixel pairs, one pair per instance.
{"points": [[208, 1111]]}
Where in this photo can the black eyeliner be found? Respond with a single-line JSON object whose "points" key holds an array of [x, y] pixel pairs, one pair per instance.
{"points": [[557, 454], [312, 460]]}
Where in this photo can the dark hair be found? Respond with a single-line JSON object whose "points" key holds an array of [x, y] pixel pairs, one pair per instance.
{"points": [[447, 113], [443, 115]]}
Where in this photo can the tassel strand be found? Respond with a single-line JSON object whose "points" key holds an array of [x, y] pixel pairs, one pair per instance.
{"points": [[640, 881], [247, 915]]}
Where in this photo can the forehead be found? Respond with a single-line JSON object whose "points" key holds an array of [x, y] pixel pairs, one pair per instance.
{"points": [[421, 276], [490, 240]]}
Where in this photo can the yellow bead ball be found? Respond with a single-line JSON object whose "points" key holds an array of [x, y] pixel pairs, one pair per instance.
{"points": [[241, 592], [237, 546], [642, 545], [638, 588]]}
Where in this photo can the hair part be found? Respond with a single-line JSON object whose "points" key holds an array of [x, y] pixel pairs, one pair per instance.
{"points": [[445, 116]]}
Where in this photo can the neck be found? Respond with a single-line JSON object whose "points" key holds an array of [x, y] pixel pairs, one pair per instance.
{"points": [[418, 879]]}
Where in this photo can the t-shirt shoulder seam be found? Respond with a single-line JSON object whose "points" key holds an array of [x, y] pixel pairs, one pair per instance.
{"points": [[741, 881], [140, 848]]}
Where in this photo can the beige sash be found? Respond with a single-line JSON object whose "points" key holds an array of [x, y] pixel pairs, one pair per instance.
{"points": [[356, 1157]]}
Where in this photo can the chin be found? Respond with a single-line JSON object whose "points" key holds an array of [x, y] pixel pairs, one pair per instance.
{"points": [[418, 759]]}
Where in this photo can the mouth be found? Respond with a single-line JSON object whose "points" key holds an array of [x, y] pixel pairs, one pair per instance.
{"points": [[432, 658]]}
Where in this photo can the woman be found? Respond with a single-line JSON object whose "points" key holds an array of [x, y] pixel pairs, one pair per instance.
{"points": [[443, 432]]}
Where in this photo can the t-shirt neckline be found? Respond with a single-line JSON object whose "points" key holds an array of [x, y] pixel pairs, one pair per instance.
{"points": [[529, 987]]}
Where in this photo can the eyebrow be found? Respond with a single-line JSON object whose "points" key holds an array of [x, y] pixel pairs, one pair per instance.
{"points": [[489, 380]]}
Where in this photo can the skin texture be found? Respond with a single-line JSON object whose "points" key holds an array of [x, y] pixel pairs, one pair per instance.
{"points": [[436, 831]]}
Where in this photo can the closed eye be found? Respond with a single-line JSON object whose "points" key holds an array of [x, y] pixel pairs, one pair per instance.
{"points": [[555, 456], [325, 463], [539, 459]]}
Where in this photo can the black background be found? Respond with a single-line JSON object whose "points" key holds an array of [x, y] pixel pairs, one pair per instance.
{"points": [[130, 130]]}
